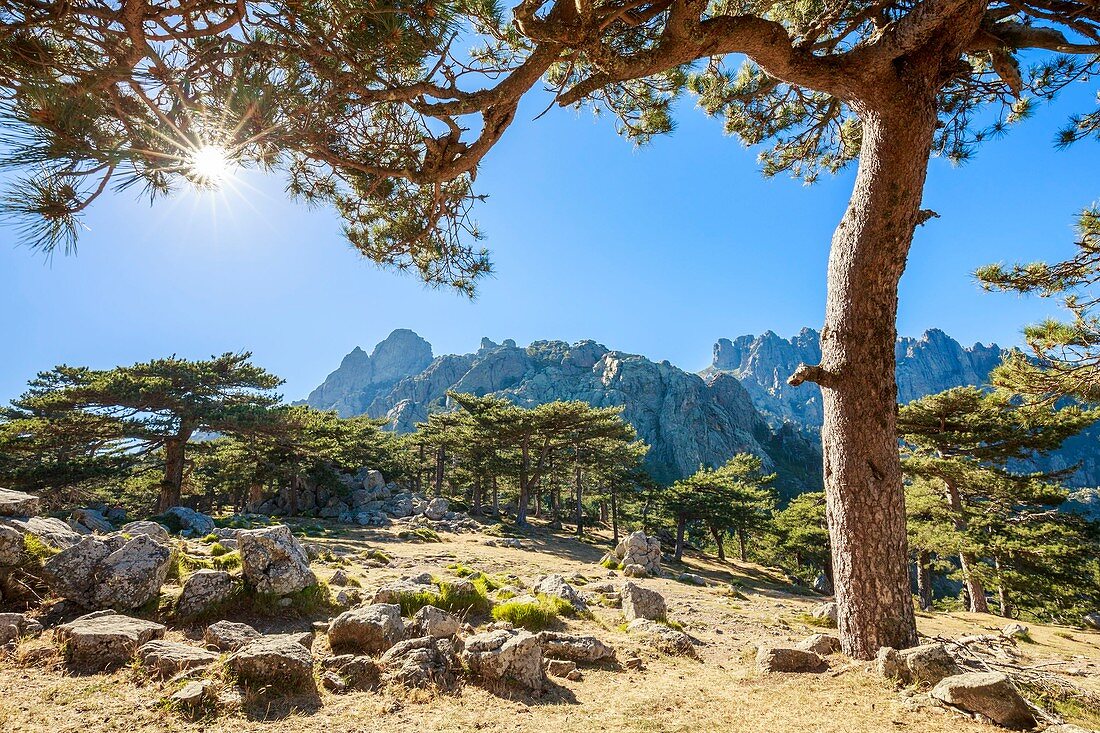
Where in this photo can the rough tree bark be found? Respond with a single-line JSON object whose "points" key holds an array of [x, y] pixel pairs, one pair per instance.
{"points": [[172, 485], [924, 581], [681, 525], [974, 589], [865, 504], [719, 541]]}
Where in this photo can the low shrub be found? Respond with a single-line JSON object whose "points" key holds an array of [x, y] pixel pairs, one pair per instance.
{"points": [[531, 615]]}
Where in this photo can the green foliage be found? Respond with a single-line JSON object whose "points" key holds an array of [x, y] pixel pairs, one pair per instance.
{"points": [[1065, 355], [458, 598], [419, 534], [122, 417], [810, 620], [531, 615], [310, 601], [413, 601], [968, 498], [36, 550]]}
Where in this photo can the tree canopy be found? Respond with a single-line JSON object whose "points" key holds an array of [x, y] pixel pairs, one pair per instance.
{"points": [[96, 417], [384, 111]]}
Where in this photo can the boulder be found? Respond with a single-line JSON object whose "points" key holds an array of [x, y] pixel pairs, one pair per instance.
{"points": [[279, 660], [588, 649], [109, 572], [1014, 630], [392, 592], [194, 523], [785, 659], [435, 622], [373, 480], [560, 667], [926, 664], [16, 625], [169, 658], [639, 602], [12, 551], [989, 694], [826, 612], [507, 655], [421, 662], [192, 696], [663, 638], [1091, 620], [822, 644], [637, 549], [634, 570], [437, 509], [691, 579], [357, 671], [51, 531], [18, 504], [105, 639], [203, 590], [90, 520], [150, 529], [274, 561], [371, 630], [229, 636], [556, 587]]}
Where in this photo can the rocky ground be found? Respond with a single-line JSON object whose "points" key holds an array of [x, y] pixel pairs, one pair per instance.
{"points": [[708, 664]]}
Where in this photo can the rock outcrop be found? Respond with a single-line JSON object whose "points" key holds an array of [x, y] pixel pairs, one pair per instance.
{"points": [[274, 561], [989, 694], [104, 639], [109, 572], [506, 655], [685, 420]]}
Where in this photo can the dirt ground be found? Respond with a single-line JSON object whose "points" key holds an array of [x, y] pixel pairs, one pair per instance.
{"points": [[721, 691]]}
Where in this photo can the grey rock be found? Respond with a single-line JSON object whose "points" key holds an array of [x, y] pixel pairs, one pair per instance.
{"points": [[506, 655], [421, 662], [663, 638], [105, 639], [229, 636], [1092, 620], [151, 529], [990, 694], [16, 625], [192, 696], [926, 664], [556, 587], [197, 523], [639, 602], [109, 572], [435, 622], [1014, 630], [372, 629], [18, 504], [51, 531], [825, 612], [169, 658], [358, 671], [822, 644], [587, 649], [560, 667], [278, 660], [437, 509], [91, 520], [782, 659], [636, 549], [203, 590], [274, 561]]}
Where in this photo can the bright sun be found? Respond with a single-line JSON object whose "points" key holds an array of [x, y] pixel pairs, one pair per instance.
{"points": [[210, 165]]}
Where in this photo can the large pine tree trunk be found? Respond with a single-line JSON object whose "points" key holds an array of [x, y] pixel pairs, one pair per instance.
{"points": [[719, 542], [172, 485], [681, 525], [863, 486]]}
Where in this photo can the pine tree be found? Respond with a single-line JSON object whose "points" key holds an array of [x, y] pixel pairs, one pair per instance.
{"points": [[1065, 358], [151, 408], [731, 498], [362, 107], [803, 537], [970, 442]]}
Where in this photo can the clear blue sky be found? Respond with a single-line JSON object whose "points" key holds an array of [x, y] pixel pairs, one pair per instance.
{"points": [[659, 251]]}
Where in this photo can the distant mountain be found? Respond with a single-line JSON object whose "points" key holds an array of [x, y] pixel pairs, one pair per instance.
{"points": [[742, 402], [686, 420], [926, 365]]}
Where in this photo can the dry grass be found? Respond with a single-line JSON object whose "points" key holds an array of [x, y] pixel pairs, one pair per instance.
{"points": [[721, 692]]}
